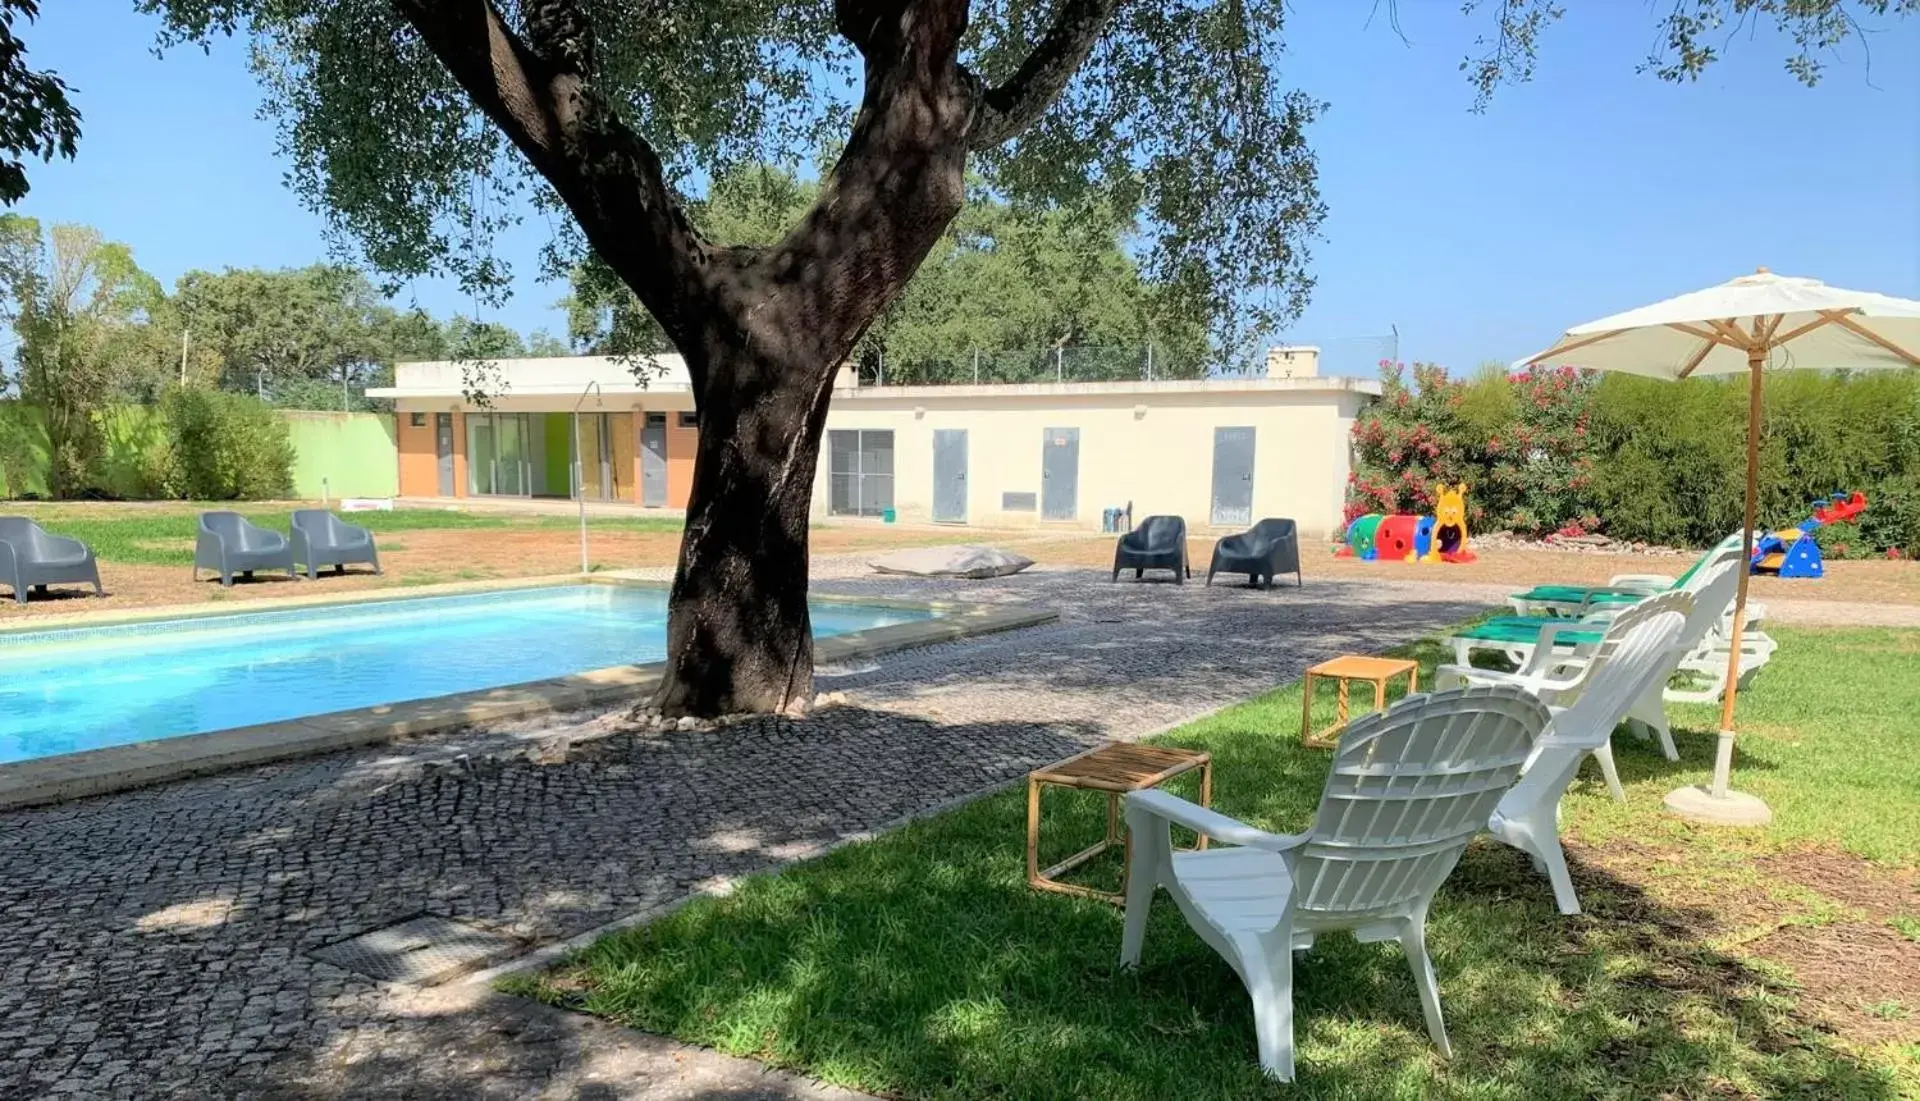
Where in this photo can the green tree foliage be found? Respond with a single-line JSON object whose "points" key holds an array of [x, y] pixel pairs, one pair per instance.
{"points": [[222, 447], [77, 304], [271, 330], [36, 117], [1010, 285], [1641, 459]]}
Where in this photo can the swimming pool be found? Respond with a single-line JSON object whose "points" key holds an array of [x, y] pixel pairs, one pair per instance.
{"points": [[81, 688]]}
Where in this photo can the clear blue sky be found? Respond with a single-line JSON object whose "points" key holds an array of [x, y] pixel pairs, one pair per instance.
{"points": [[1479, 237]]}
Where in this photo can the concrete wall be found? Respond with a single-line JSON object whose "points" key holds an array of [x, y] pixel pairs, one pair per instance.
{"points": [[1150, 443], [355, 453]]}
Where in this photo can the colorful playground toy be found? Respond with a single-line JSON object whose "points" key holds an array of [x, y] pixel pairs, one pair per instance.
{"points": [[1793, 552], [1400, 537]]}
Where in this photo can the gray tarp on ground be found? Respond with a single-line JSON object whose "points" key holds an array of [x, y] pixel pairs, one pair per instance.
{"points": [[973, 562]]}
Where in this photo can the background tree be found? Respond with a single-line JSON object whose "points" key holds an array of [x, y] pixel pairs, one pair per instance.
{"points": [[415, 124], [1003, 288], [290, 330], [74, 301]]}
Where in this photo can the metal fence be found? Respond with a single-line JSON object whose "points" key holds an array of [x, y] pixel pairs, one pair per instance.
{"points": [[1358, 356]]}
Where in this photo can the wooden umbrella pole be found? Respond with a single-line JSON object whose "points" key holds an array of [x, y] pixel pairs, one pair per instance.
{"points": [[1723, 757]]}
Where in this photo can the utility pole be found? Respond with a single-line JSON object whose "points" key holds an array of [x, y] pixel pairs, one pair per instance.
{"points": [[183, 356]]}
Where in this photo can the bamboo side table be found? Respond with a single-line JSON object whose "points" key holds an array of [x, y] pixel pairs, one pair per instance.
{"points": [[1116, 769], [1342, 671]]}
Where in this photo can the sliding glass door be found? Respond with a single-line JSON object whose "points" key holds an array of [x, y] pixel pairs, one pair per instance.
{"points": [[498, 463]]}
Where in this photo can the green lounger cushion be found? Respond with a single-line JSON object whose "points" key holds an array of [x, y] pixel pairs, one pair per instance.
{"points": [[1526, 630], [1574, 594]]}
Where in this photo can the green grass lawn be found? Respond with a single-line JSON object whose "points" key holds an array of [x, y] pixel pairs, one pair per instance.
{"points": [[921, 965], [163, 535]]}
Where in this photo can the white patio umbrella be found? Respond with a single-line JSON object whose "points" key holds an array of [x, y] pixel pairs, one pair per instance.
{"points": [[1744, 326]]}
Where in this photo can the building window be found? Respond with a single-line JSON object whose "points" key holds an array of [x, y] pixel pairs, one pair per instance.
{"points": [[689, 420], [417, 420], [861, 472]]}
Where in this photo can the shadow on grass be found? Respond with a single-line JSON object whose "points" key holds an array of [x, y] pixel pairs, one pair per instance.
{"points": [[921, 965]]}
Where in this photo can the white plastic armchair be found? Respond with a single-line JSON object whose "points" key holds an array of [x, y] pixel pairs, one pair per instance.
{"points": [[1638, 654], [1409, 787], [1560, 682]]}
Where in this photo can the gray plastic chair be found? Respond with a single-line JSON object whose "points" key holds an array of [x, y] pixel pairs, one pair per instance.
{"points": [[1159, 543], [30, 557], [230, 544], [322, 539], [1270, 547]]}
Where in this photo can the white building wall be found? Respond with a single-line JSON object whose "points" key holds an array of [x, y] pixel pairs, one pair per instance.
{"points": [[1150, 444]]}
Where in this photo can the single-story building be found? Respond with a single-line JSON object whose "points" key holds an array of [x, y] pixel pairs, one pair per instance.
{"points": [[1220, 451]]}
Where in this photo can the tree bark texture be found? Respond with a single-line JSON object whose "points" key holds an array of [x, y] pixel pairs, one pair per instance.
{"points": [[763, 330]]}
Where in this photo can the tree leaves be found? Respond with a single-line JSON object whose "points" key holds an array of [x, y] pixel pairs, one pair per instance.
{"points": [[36, 117]]}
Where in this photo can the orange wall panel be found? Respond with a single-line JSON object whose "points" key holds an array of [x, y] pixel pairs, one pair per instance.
{"points": [[681, 445], [418, 477]]}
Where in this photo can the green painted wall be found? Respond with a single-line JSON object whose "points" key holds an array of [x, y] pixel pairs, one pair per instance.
{"points": [[354, 452], [559, 429]]}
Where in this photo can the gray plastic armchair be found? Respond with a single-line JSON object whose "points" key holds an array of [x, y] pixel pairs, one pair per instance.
{"points": [[229, 544], [1270, 547], [31, 558], [1159, 543], [322, 539]]}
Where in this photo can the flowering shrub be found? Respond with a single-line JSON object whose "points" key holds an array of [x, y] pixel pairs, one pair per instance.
{"points": [[1519, 443], [1558, 450]]}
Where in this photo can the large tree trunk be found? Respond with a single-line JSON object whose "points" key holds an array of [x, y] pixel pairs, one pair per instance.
{"points": [[762, 330], [738, 634]]}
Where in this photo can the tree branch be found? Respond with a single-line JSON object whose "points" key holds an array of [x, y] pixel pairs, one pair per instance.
{"points": [[607, 175], [867, 23], [1007, 110]]}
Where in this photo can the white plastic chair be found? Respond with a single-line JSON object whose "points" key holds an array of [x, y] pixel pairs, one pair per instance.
{"points": [[1637, 655], [1561, 681], [1712, 591], [1409, 787]]}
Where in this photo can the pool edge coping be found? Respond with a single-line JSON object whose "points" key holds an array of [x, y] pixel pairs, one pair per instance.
{"points": [[141, 764]]}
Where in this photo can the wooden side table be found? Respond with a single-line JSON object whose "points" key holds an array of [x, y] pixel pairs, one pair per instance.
{"points": [[1116, 769], [1343, 670]]}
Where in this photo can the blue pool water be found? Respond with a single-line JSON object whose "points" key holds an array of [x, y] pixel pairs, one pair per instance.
{"points": [[64, 691]]}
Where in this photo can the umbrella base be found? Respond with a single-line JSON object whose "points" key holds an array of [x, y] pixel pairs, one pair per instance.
{"points": [[1698, 804]]}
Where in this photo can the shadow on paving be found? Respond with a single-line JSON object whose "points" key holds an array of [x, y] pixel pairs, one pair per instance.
{"points": [[921, 965], [157, 940]]}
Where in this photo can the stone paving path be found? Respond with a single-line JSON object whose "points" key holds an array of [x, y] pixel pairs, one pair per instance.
{"points": [[155, 942]]}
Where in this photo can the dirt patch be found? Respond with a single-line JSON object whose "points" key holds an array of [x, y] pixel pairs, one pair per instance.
{"points": [[433, 556], [1865, 582], [1877, 892], [1863, 979]]}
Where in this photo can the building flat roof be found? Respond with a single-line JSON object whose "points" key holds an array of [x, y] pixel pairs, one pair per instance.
{"points": [[1313, 384]]}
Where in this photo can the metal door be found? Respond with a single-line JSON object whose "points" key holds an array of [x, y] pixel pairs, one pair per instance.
{"points": [[443, 450], [1232, 477], [950, 475], [653, 461], [1060, 474]]}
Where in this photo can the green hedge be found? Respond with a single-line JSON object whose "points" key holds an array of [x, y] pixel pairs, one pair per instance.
{"points": [[1645, 460], [200, 444]]}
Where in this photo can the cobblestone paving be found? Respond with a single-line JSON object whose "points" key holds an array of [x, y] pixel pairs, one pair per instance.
{"points": [[155, 942]]}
